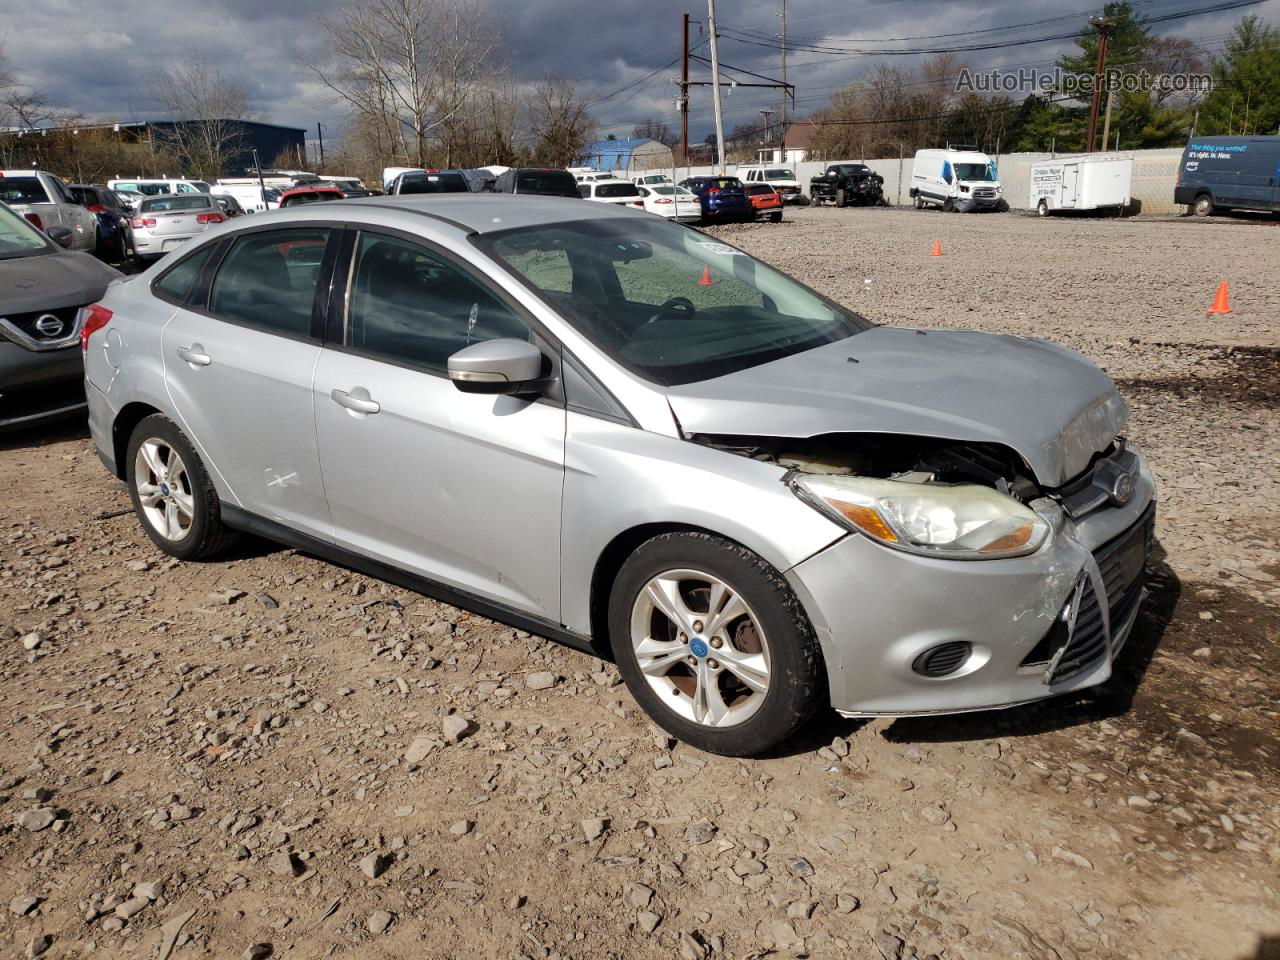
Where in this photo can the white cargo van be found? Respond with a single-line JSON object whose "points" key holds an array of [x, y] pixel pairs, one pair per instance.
{"points": [[960, 180], [252, 197], [1080, 183], [156, 186], [782, 179]]}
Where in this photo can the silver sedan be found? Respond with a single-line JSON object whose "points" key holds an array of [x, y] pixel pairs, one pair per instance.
{"points": [[161, 224], [633, 438]]}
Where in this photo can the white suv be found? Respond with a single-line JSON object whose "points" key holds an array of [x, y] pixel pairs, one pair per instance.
{"points": [[782, 179]]}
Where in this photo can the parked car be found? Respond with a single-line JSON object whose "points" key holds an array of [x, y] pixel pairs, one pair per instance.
{"points": [[1220, 174], [229, 204], [42, 290], [846, 184], [766, 201], [782, 179], [621, 192], [621, 434], [130, 198], [539, 181], [430, 181], [956, 180], [114, 237], [300, 195], [350, 186], [157, 186], [165, 222], [45, 201], [651, 179], [722, 198], [674, 203]]}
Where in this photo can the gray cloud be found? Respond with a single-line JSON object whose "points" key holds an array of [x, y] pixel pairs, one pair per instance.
{"points": [[99, 59]]}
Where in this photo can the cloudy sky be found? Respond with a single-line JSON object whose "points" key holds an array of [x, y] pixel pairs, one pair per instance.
{"points": [[96, 57]]}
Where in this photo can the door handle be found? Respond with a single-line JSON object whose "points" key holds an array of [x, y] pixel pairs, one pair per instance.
{"points": [[359, 404], [195, 355]]}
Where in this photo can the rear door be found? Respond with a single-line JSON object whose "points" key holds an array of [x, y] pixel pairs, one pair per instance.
{"points": [[1070, 184], [70, 214], [239, 362], [462, 488]]}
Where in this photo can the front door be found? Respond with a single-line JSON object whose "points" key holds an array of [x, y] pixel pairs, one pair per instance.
{"points": [[239, 371], [461, 488]]}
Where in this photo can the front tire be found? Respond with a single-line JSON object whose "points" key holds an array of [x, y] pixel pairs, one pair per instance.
{"points": [[714, 644], [172, 494], [1042, 208], [842, 199]]}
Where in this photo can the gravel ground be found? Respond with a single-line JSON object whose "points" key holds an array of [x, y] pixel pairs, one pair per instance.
{"points": [[270, 756]]}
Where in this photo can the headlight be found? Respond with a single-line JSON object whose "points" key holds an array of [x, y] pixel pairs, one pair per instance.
{"points": [[959, 522]]}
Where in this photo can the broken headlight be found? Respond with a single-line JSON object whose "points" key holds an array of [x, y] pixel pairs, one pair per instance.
{"points": [[954, 521]]}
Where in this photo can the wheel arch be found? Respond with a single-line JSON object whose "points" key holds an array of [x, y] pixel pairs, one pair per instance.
{"points": [[130, 415]]}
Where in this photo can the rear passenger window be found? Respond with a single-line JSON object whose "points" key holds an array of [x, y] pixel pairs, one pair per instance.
{"points": [[268, 280], [408, 304], [175, 283]]}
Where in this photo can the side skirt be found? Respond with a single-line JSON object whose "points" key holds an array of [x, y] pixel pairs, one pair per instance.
{"points": [[239, 519]]}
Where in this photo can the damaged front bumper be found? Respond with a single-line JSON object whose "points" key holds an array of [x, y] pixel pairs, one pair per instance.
{"points": [[905, 634]]}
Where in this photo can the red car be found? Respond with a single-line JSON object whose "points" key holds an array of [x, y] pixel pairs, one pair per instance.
{"points": [[301, 195], [766, 201]]}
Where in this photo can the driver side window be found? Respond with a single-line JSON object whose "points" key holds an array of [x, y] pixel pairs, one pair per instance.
{"points": [[408, 304]]}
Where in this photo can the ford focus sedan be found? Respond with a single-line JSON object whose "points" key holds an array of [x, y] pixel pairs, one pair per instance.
{"points": [[622, 434]]}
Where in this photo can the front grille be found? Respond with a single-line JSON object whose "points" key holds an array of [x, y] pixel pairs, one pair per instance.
{"points": [[985, 193], [1122, 564]]}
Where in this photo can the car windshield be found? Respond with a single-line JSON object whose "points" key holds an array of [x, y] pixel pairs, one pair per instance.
{"points": [[188, 202], [850, 170], [18, 238], [617, 190], [975, 171], [779, 175], [22, 190], [434, 183], [669, 303]]}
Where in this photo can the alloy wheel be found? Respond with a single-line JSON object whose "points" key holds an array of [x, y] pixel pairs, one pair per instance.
{"points": [[164, 489], [700, 648]]}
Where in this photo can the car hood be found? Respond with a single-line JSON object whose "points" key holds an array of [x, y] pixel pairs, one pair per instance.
{"points": [[52, 281], [1047, 403]]}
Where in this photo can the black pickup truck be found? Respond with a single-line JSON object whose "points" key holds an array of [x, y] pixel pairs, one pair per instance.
{"points": [[848, 183]]}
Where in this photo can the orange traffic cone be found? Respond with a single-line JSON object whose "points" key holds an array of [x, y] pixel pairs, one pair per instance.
{"points": [[937, 248], [1222, 302], [705, 280]]}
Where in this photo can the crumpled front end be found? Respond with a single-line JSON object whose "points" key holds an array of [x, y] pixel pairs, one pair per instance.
{"points": [[905, 634]]}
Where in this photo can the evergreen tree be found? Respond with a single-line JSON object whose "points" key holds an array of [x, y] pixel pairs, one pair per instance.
{"points": [[1246, 83]]}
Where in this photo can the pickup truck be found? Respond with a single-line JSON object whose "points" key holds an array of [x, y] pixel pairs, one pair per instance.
{"points": [[44, 201], [848, 183]]}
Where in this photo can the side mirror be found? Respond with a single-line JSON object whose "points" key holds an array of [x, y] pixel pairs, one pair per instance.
{"points": [[504, 366], [61, 236]]}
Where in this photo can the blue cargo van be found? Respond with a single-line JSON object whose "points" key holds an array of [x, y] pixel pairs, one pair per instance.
{"points": [[1229, 173]]}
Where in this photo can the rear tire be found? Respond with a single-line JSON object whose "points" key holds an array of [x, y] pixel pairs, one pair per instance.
{"points": [[738, 687], [172, 494], [775, 217], [1203, 207], [842, 199]]}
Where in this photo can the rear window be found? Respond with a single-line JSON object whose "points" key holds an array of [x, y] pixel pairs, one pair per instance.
{"points": [[725, 183], [758, 188], [617, 190], [187, 202], [434, 183], [550, 183], [84, 195], [22, 190]]}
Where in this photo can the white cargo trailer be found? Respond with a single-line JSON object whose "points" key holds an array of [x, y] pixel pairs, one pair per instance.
{"points": [[1081, 183]]}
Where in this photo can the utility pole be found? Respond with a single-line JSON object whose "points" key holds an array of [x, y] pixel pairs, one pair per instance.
{"points": [[320, 134], [1103, 25], [715, 83], [782, 127], [1106, 120], [768, 125], [684, 92]]}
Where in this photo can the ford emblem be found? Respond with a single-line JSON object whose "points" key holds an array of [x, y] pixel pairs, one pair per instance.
{"points": [[1122, 489]]}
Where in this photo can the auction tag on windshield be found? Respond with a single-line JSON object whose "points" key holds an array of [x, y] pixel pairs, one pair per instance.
{"points": [[722, 248]]}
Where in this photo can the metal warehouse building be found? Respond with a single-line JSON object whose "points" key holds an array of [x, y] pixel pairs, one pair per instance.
{"points": [[624, 156]]}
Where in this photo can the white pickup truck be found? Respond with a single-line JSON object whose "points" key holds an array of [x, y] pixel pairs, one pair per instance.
{"points": [[44, 201]]}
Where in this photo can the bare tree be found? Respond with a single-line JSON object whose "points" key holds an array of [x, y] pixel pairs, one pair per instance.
{"points": [[559, 120], [207, 109], [658, 130], [410, 70], [20, 105]]}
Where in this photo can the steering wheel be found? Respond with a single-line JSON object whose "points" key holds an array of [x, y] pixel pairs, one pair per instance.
{"points": [[675, 307]]}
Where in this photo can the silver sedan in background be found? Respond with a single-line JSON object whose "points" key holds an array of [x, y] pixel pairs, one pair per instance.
{"points": [[631, 437], [164, 223]]}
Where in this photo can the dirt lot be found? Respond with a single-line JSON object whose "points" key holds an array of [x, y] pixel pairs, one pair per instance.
{"points": [[204, 758]]}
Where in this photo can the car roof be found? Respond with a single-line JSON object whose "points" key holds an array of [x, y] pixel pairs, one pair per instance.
{"points": [[490, 213]]}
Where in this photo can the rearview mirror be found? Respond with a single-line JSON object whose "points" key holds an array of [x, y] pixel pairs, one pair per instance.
{"points": [[61, 236], [503, 366]]}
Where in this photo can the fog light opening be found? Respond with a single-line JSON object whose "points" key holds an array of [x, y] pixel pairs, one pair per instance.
{"points": [[942, 660]]}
